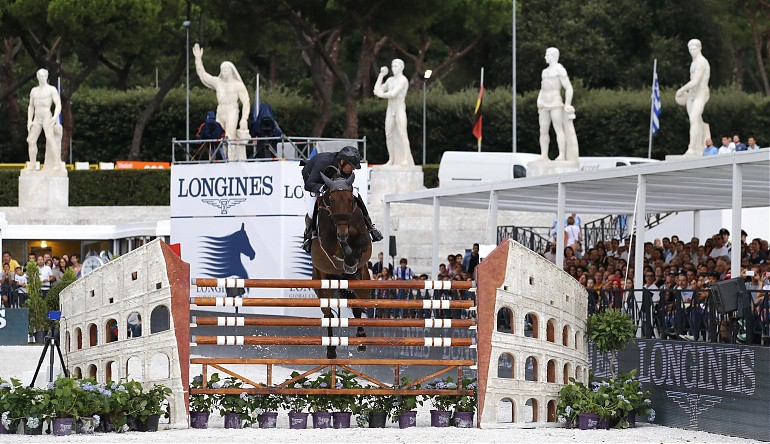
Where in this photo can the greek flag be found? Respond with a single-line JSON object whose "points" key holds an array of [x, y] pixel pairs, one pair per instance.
{"points": [[655, 103]]}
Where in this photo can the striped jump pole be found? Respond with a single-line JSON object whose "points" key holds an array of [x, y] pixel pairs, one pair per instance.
{"points": [[332, 341], [439, 304], [334, 284], [240, 321]]}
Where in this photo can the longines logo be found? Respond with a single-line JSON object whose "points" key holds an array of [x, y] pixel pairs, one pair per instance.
{"points": [[234, 186], [224, 204], [694, 404]]}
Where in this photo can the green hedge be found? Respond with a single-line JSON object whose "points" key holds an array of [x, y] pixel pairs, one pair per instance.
{"points": [[102, 188], [609, 123]]}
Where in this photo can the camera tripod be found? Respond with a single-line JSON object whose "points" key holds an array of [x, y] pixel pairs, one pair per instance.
{"points": [[51, 342]]}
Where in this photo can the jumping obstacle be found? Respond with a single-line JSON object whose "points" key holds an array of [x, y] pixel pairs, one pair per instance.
{"points": [[512, 281], [333, 365]]}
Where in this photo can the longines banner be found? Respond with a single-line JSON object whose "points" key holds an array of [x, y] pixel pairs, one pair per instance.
{"points": [[245, 219], [14, 326], [719, 388]]}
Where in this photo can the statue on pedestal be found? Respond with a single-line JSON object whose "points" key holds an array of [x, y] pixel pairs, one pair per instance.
{"points": [[394, 89], [552, 111], [40, 118], [694, 95], [230, 89]]}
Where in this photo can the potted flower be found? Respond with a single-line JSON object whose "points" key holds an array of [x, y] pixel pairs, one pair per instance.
{"points": [[10, 405], [64, 394], [404, 407], [202, 405], [150, 410], [374, 410], [344, 405], [588, 407], [116, 408], [569, 399], [92, 400], [321, 405], [233, 407], [297, 403], [638, 400], [443, 404], [137, 401], [265, 408], [465, 406]]}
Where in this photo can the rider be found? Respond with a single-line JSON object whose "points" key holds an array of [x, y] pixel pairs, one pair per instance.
{"points": [[345, 161]]}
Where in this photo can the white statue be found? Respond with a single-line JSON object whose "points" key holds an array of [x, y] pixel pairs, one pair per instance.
{"points": [[40, 118], [230, 89], [552, 111], [694, 94], [394, 89]]}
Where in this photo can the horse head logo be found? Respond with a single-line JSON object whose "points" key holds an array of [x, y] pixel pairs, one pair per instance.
{"points": [[221, 256]]}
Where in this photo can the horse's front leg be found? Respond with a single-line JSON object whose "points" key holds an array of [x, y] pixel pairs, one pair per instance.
{"points": [[331, 351]]}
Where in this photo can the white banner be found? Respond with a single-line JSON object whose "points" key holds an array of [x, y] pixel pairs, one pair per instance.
{"points": [[245, 219]]}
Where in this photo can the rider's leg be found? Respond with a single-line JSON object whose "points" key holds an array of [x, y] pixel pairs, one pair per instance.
{"points": [[376, 235], [310, 228]]}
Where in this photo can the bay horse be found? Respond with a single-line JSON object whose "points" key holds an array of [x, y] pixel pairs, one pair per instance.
{"points": [[343, 245]]}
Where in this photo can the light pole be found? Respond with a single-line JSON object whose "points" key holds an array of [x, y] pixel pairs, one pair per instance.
{"points": [[186, 25], [427, 75]]}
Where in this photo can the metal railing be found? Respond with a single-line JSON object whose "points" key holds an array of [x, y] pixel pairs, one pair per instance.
{"points": [[613, 227], [534, 238], [255, 148], [688, 314]]}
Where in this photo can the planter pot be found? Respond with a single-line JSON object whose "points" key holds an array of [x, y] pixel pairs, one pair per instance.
{"points": [[297, 420], [33, 431], [341, 420], [570, 422], [440, 418], [464, 420], [104, 425], [631, 419], [3, 430], [199, 420], [267, 420], [62, 426], [407, 419], [133, 424], [588, 421], [604, 424], [151, 423], [377, 419], [85, 426], [232, 420], [39, 337], [322, 420]]}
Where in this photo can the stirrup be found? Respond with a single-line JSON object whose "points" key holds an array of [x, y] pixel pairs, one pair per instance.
{"points": [[376, 235]]}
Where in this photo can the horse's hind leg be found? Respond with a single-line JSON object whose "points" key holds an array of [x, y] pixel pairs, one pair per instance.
{"points": [[358, 313]]}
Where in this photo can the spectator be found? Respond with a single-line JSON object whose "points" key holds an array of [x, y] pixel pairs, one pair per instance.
{"points": [[46, 276], [727, 146], [7, 287], [738, 145], [752, 144], [134, 322], [720, 249], [403, 273], [75, 261], [382, 294], [21, 286], [550, 252], [710, 149], [32, 257], [452, 267], [380, 264], [572, 234], [471, 259], [7, 259]]}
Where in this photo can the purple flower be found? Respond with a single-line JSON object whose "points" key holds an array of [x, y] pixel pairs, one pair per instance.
{"points": [[324, 385]]}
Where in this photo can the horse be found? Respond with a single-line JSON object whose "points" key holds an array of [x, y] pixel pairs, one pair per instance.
{"points": [[342, 247]]}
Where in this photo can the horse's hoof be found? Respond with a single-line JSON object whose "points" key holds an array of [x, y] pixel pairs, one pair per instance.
{"points": [[361, 348]]}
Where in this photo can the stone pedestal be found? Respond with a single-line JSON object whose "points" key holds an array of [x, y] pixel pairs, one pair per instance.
{"points": [[388, 179], [48, 188], [546, 167]]}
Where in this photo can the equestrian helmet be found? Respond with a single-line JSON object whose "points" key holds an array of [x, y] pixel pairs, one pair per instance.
{"points": [[350, 155]]}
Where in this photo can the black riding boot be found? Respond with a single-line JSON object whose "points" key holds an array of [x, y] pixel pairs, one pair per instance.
{"points": [[374, 232], [311, 231]]}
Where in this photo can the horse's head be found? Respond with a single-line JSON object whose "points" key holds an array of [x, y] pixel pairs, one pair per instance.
{"points": [[243, 241], [341, 203]]}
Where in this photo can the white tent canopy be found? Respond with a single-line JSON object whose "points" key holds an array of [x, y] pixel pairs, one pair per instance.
{"points": [[725, 181]]}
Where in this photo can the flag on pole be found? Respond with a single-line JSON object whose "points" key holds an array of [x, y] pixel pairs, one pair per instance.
{"points": [[477, 113], [655, 103]]}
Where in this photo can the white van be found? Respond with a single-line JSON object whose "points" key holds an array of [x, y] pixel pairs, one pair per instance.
{"points": [[460, 168], [600, 163]]}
